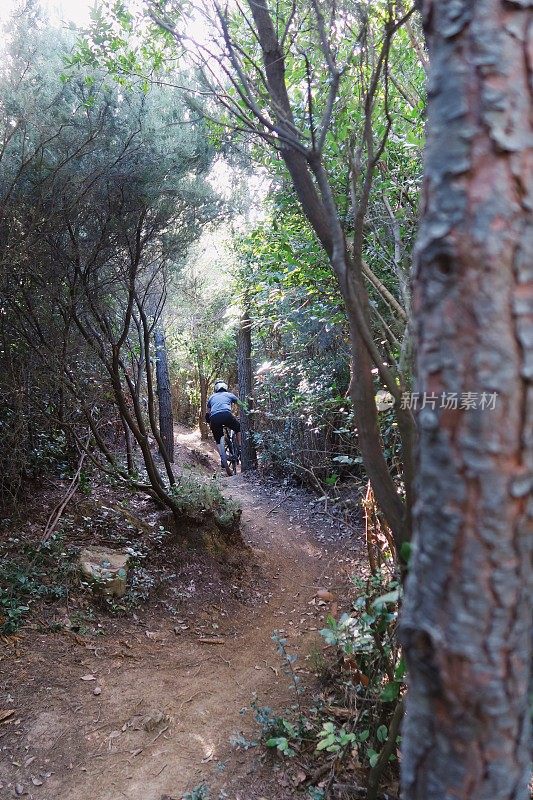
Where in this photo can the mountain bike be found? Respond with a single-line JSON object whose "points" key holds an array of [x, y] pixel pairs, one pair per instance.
{"points": [[231, 447]]}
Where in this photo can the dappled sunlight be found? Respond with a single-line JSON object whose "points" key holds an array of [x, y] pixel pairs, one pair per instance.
{"points": [[220, 281], [187, 438], [207, 745]]}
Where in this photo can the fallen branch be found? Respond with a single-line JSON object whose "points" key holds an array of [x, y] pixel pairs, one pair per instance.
{"points": [[55, 516], [211, 640], [270, 510]]}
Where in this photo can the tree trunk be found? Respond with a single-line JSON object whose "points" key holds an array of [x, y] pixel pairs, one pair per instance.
{"points": [[467, 617], [164, 394], [244, 366], [307, 173], [128, 446], [204, 428]]}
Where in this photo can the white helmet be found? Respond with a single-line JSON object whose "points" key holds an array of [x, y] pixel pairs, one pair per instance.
{"points": [[221, 385]]}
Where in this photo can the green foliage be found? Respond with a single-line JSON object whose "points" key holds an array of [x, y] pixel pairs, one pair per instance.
{"points": [[94, 178], [365, 640], [37, 574], [203, 500], [302, 418], [303, 421], [371, 622], [281, 743], [333, 739], [200, 792], [301, 334], [284, 735], [285, 276], [373, 664], [11, 613], [280, 733], [277, 731], [202, 335]]}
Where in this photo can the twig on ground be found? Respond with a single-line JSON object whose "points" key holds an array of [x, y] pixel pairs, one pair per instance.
{"points": [[200, 691], [55, 516], [270, 510], [211, 640], [154, 740]]}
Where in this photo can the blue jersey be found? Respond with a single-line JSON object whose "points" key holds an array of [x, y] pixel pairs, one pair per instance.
{"points": [[221, 401]]}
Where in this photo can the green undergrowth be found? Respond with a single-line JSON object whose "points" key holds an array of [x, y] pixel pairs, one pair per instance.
{"points": [[43, 580], [344, 732], [35, 574], [202, 501]]}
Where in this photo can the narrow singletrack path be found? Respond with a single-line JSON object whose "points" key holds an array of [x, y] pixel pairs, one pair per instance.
{"points": [[171, 700]]}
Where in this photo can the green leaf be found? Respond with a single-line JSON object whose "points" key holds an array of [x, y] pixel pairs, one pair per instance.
{"points": [[326, 742], [390, 597], [405, 551], [282, 744], [399, 672], [390, 692], [382, 733]]}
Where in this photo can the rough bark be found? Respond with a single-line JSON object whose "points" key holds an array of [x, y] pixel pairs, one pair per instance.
{"points": [[128, 446], [467, 614], [164, 394], [151, 396], [202, 380], [244, 366]]}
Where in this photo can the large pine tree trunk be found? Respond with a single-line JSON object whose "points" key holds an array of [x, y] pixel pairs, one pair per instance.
{"points": [[467, 614], [164, 393], [244, 365]]}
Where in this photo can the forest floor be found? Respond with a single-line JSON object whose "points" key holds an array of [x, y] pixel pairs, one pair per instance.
{"points": [[150, 705]]}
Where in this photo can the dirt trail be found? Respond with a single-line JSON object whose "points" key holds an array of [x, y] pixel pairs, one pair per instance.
{"points": [[169, 704]]}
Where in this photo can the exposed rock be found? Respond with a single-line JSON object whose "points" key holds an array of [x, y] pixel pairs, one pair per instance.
{"points": [[107, 568]]}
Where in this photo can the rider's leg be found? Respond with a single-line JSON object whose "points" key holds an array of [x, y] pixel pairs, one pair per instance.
{"points": [[217, 430], [237, 428]]}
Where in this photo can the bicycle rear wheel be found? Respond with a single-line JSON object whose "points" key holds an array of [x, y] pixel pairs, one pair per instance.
{"points": [[231, 450]]}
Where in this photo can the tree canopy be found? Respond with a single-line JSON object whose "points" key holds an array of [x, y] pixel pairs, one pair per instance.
{"points": [[287, 140]]}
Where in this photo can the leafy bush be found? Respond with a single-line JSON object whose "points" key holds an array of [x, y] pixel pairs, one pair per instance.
{"points": [[38, 573], [365, 682], [11, 613], [370, 664], [203, 500]]}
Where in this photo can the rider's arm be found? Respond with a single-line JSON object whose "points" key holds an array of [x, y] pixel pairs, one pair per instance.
{"points": [[235, 399]]}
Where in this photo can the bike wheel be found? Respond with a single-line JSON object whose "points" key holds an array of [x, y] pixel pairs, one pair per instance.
{"points": [[231, 451]]}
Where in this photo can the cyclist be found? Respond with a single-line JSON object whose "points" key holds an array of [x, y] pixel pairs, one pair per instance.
{"points": [[219, 416]]}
